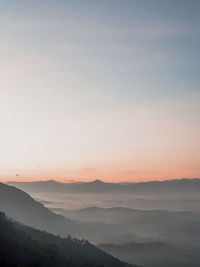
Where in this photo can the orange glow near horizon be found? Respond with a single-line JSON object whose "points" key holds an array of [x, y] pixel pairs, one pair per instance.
{"points": [[103, 95], [89, 174]]}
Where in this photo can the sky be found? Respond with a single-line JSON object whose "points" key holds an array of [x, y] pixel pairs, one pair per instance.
{"points": [[99, 90]]}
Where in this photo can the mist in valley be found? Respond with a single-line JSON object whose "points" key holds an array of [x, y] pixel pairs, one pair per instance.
{"points": [[99, 133], [131, 222]]}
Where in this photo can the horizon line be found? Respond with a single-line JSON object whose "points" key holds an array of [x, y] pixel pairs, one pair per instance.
{"points": [[99, 180]]}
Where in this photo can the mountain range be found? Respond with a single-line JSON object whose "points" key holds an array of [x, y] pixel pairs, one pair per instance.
{"points": [[136, 236], [98, 186]]}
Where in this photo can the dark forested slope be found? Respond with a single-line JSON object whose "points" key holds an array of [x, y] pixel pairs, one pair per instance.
{"points": [[25, 246]]}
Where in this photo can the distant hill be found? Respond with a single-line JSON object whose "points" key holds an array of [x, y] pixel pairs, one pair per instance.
{"points": [[98, 224], [141, 225], [27, 247], [167, 186], [97, 186], [155, 254], [19, 206]]}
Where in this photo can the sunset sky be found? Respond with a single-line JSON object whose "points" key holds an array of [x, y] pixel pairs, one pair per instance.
{"points": [[102, 89]]}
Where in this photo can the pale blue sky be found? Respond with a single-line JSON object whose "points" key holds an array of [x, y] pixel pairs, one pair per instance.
{"points": [[99, 83]]}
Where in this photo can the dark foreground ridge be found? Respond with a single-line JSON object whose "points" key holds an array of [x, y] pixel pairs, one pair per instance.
{"points": [[25, 246]]}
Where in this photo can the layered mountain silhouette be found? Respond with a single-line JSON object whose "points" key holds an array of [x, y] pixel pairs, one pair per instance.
{"points": [[49, 186], [97, 186], [23, 208], [19, 206], [101, 225], [27, 247], [141, 225], [172, 234]]}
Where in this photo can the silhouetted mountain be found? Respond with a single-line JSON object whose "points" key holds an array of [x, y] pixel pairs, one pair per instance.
{"points": [[41, 186], [97, 186], [20, 206], [102, 225], [22, 246], [172, 229], [167, 186]]}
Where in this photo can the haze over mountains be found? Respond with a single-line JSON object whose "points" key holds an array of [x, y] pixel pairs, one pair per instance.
{"points": [[98, 186], [21, 207], [40, 247], [24, 246], [134, 235], [142, 225], [155, 254], [107, 93], [177, 195]]}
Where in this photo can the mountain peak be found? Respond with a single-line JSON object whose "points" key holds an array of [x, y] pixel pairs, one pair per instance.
{"points": [[49, 182], [97, 181]]}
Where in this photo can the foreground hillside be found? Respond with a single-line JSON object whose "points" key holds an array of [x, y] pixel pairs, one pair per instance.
{"points": [[21, 207], [24, 246]]}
